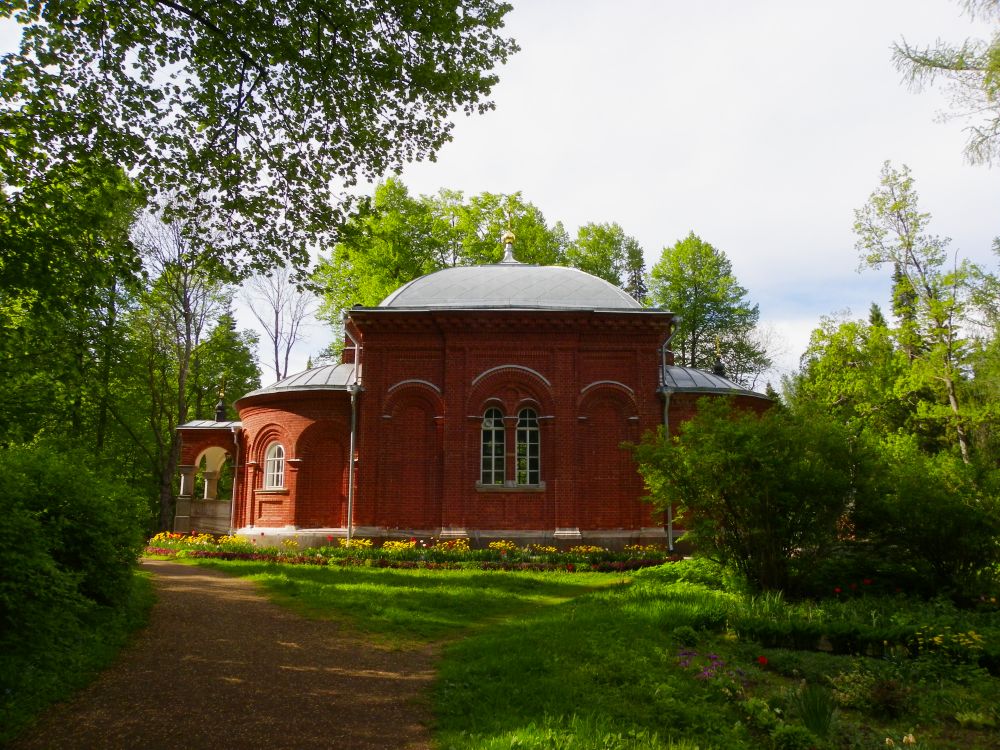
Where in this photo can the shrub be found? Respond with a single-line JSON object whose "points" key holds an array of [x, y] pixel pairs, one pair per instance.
{"points": [[793, 737], [69, 540], [762, 493], [929, 514], [89, 526], [685, 635]]}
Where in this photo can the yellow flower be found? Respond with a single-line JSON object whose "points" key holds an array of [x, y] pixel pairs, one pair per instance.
{"points": [[889, 742], [909, 739]]}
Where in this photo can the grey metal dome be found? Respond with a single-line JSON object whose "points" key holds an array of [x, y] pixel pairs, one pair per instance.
{"points": [[510, 285], [336, 377], [678, 379]]}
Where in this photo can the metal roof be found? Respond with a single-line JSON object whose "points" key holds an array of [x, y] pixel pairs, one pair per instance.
{"points": [[511, 285], [337, 377], [208, 424], [689, 380]]}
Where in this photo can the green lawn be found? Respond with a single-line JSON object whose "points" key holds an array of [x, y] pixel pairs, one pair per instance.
{"points": [[588, 661], [405, 608]]}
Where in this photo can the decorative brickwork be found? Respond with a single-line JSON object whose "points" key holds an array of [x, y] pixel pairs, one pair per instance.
{"points": [[421, 385]]}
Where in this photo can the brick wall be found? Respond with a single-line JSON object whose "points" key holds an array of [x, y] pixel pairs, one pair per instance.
{"points": [[428, 377]]}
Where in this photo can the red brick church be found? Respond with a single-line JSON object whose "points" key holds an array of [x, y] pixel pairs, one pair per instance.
{"points": [[478, 401]]}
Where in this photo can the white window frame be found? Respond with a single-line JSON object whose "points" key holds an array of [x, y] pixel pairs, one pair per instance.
{"points": [[492, 448], [274, 467], [529, 448]]}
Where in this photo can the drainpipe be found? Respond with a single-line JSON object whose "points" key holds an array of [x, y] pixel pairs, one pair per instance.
{"points": [[236, 477], [664, 349], [666, 431], [353, 388], [350, 458], [357, 352], [667, 392]]}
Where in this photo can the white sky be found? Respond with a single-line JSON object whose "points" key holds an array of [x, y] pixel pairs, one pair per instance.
{"points": [[759, 125]]}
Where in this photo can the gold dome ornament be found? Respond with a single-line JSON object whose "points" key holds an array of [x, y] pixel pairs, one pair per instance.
{"points": [[508, 247]]}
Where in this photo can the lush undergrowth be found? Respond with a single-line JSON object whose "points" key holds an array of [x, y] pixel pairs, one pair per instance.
{"points": [[672, 659], [41, 672], [657, 664]]}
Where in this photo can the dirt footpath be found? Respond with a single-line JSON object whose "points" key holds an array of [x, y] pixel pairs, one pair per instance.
{"points": [[221, 667]]}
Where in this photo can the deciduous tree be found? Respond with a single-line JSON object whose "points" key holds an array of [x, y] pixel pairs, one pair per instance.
{"points": [[695, 280], [252, 117], [604, 250], [892, 230], [282, 308]]}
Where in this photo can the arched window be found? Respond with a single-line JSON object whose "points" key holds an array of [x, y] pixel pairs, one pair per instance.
{"points": [[492, 471], [528, 448], [274, 467]]}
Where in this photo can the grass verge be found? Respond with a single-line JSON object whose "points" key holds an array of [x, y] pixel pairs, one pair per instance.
{"points": [[409, 608]]}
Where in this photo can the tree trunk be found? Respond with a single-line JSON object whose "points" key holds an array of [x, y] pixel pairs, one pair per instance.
{"points": [[963, 445]]}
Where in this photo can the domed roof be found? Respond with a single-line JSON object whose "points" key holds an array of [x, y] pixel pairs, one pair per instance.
{"points": [[677, 379], [510, 285], [335, 377]]}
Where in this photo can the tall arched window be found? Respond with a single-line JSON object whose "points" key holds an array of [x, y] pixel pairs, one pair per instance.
{"points": [[528, 448], [274, 467], [492, 471]]}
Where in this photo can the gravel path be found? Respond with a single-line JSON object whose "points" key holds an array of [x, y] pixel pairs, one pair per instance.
{"points": [[222, 667]]}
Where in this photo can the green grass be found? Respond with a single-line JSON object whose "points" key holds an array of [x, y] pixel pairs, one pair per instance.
{"points": [[407, 608], [35, 675], [555, 661]]}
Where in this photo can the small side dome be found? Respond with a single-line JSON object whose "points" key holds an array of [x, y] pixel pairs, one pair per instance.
{"points": [[336, 377], [510, 285], [679, 379]]}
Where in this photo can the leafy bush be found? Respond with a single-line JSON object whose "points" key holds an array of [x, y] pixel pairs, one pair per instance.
{"points": [[69, 540], [88, 526], [793, 737], [929, 514], [762, 493]]}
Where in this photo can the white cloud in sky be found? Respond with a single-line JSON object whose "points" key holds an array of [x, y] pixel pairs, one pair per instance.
{"points": [[760, 126]]}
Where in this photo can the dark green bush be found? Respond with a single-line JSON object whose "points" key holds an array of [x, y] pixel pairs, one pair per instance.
{"points": [[69, 539], [78, 526], [761, 493], [928, 514], [793, 737]]}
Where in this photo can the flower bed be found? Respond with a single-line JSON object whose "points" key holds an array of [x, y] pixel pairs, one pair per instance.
{"points": [[430, 554]]}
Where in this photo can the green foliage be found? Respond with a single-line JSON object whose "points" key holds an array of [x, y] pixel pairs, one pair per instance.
{"points": [[68, 545], [400, 237], [695, 281], [604, 250], [685, 635], [928, 513], [66, 262], [931, 302], [225, 360], [792, 737], [855, 371], [89, 526], [253, 121], [761, 493], [61, 652], [816, 708]]}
